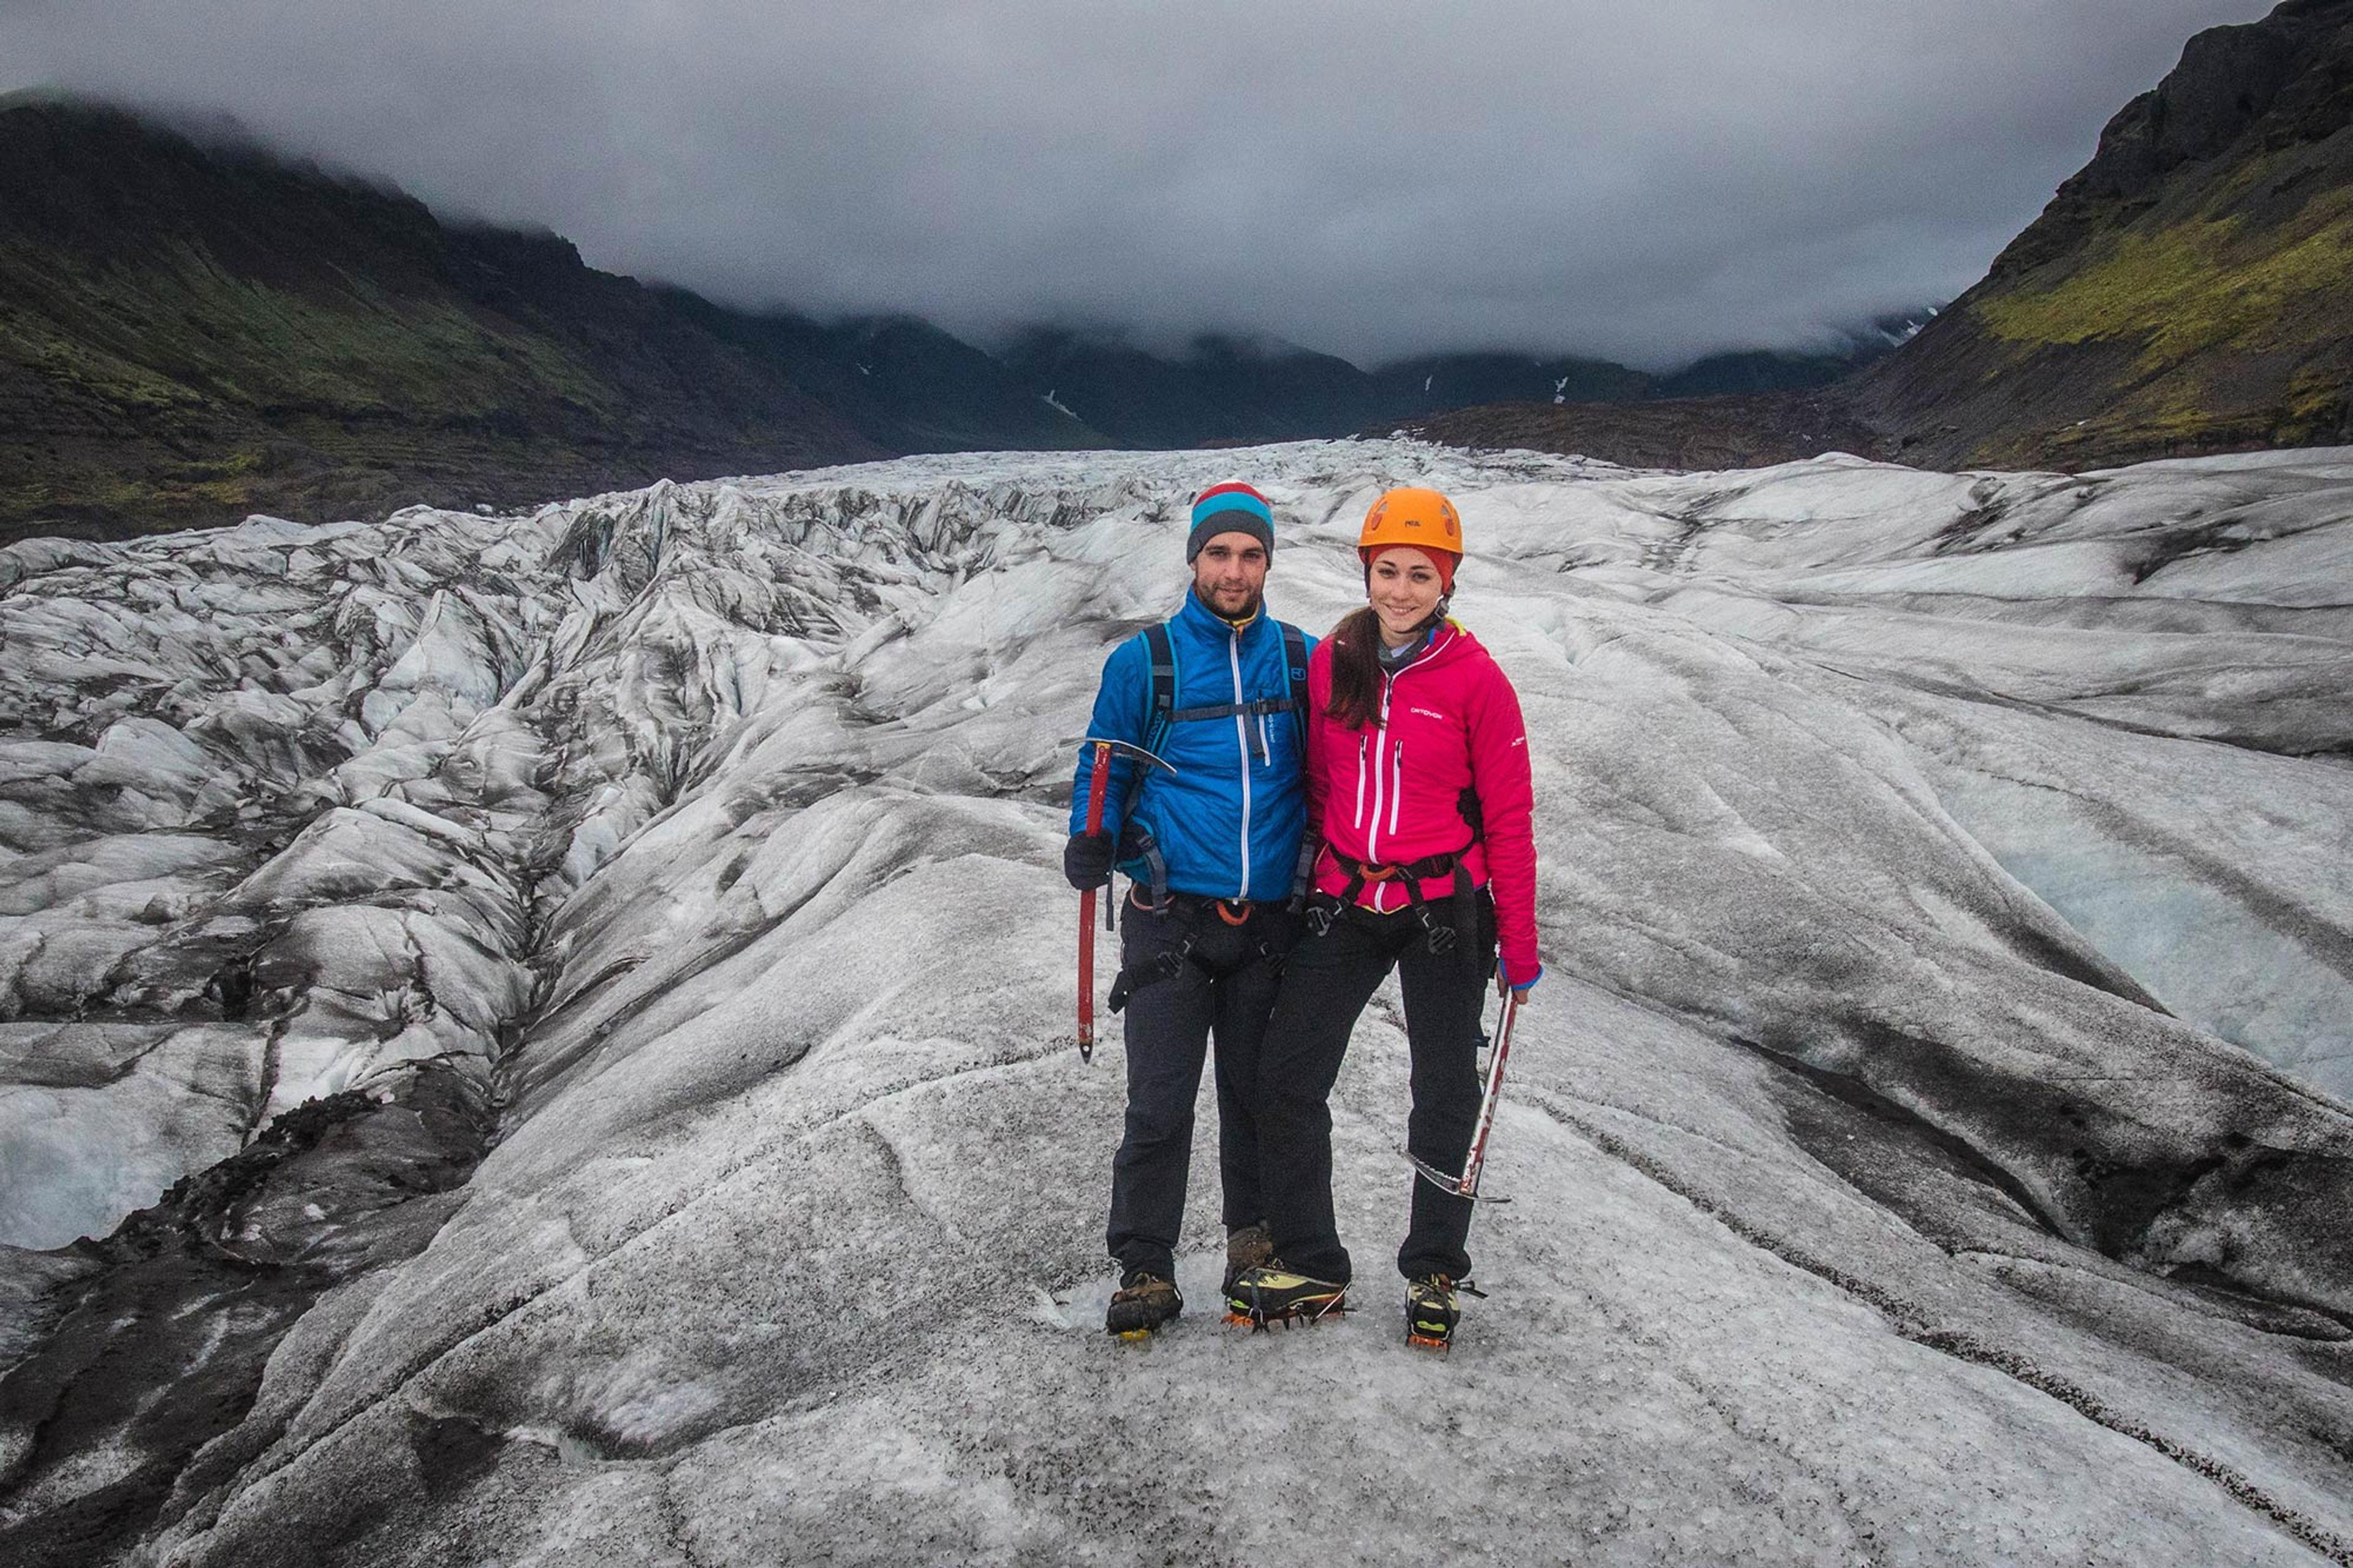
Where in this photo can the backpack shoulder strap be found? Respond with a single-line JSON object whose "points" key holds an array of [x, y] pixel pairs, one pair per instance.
{"points": [[1294, 659], [1161, 704], [1163, 649]]}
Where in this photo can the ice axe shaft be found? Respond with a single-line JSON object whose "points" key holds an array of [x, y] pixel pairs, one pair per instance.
{"points": [[1098, 783], [1466, 1185]]}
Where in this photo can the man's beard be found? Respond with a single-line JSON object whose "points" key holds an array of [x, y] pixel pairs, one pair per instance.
{"points": [[1247, 610]]}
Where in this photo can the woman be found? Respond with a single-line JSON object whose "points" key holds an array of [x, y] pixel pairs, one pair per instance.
{"points": [[1417, 786]]}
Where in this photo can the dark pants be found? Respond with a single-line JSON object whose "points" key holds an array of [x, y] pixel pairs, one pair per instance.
{"points": [[1225, 988], [1326, 985]]}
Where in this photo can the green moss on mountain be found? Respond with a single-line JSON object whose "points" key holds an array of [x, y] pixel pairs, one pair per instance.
{"points": [[2193, 288]]}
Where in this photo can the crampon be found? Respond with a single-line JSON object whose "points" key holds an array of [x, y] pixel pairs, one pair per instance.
{"points": [[1271, 1293], [1432, 1310], [1144, 1302]]}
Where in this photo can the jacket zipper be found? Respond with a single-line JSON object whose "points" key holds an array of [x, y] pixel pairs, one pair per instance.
{"points": [[1380, 742], [1397, 784], [1241, 735], [1362, 741]]}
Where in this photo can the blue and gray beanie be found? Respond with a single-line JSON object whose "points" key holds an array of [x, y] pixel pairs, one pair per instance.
{"points": [[1229, 509]]}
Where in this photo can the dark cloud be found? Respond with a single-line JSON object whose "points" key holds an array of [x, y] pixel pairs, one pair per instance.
{"points": [[1644, 179]]}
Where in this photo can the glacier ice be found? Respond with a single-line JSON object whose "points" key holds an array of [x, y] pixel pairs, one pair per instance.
{"points": [[1931, 1145]]}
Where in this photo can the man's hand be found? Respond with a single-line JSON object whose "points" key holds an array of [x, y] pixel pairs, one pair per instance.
{"points": [[1087, 860]]}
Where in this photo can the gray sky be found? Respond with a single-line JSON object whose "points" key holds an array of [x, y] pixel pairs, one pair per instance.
{"points": [[1645, 180]]}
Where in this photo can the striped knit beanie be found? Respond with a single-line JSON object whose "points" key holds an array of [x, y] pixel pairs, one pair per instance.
{"points": [[1229, 509]]}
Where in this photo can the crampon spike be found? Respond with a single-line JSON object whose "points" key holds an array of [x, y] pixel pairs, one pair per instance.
{"points": [[1260, 1322]]}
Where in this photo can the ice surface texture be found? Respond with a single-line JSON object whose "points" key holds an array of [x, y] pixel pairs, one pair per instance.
{"points": [[1929, 1144]]}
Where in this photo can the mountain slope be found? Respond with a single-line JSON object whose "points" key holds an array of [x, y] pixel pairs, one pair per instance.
{"points": [[2190, 291], [1685, 433], [1218, 390], [1221, 389], [901, 381], [189, 333]]}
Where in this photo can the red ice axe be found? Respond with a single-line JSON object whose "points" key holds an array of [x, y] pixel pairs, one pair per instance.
{"points": [[1466, 1185], [1098, 781]]}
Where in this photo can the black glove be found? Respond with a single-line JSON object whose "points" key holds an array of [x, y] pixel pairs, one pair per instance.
{"points": [[1087, 860]]}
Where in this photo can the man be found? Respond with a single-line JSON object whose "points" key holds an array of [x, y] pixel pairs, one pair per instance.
{"points": [[1212, 847]]}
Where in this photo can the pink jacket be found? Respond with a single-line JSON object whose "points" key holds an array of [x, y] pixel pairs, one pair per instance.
{"points": [[1389, 793]]}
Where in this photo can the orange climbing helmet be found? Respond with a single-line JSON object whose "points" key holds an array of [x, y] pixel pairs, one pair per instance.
{"points": [[1412, 515]]}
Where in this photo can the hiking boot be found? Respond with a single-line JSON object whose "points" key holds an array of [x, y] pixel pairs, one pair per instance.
{"points": [[1246, 1247], [1270, 1292], [1144, 1301], [1431, 1311]]}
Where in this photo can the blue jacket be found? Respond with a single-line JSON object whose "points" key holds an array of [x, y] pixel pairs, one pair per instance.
{"points": [[1229, 821]]}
